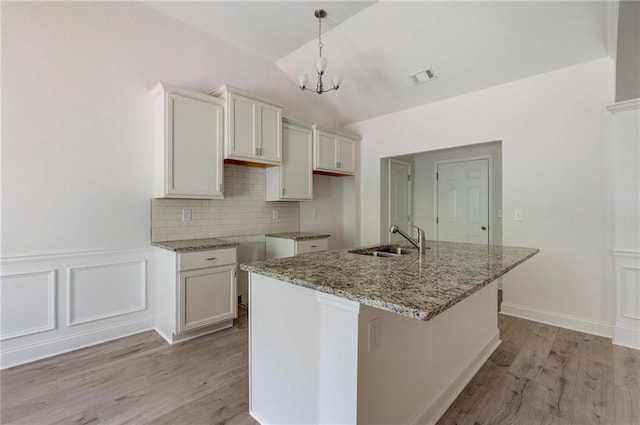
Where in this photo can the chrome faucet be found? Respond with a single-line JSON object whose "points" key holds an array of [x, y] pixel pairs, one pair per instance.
{"points": [[421, 237]]}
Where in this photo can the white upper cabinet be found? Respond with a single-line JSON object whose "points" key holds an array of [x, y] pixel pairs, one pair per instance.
{"points": [[188, 138], [334, 153], [293, 180], [253, 127]]}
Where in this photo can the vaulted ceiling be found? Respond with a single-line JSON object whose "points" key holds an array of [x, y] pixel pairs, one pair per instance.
{"points": [[376, 46]]}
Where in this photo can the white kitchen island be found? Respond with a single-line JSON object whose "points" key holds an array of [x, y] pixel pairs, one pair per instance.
{"points": [[340, 337]]}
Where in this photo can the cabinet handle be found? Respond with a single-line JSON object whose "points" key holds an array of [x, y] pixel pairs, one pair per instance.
{"points": [[219, 187], [212, 258], [313, 246], [337, 164], [283, 191], [261, 151], [257, 151]]}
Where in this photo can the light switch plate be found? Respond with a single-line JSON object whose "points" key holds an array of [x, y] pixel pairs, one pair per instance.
{"points": [[186, 214], [275, 214], [374, 334], [517, 214]]}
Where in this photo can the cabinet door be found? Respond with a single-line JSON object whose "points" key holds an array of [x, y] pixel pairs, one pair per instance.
{"points": [[243, 118], [194, 154], [296, 179], [347, 156], [325, 158], [269, 133], [206, 297]]}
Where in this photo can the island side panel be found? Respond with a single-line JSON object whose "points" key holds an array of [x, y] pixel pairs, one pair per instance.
{"points": [[284, 359], [420, 367]]}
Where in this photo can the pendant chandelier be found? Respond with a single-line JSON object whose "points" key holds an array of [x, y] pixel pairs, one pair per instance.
{"points": [[321, 63]]}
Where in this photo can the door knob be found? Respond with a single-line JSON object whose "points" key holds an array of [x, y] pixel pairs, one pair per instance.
{"points": [[484, 227]]}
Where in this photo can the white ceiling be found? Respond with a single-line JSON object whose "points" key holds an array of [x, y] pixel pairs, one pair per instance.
{"points": [[376, 47]]}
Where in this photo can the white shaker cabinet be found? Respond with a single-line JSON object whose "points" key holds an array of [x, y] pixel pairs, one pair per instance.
{"points": [[188, 142], [196, 292], [293, 180], [334, 153], [253, 127]]}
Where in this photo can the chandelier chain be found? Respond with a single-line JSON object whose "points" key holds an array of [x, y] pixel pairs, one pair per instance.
{"points": [[320, 45]]}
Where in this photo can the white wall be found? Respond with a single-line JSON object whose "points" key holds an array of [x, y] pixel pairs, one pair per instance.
{"points": [[554, 132]]}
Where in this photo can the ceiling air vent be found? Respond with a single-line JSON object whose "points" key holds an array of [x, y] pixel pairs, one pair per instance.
{"points": [[421, 77]]}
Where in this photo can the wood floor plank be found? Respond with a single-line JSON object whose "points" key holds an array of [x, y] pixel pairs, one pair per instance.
{"points": [[626, 381], [534, 352], [594, 394], [556, 386]]}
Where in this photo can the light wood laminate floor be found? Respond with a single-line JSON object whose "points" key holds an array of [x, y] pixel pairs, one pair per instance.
{"points": [[540, 374]]}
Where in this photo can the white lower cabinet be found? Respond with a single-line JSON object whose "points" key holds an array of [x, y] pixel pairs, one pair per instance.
{"points": [[196, 292], [281, 247]]}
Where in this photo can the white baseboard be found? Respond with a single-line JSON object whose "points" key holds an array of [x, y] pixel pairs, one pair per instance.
{"points": [[432, 413], [178, 339], [52, 347], [574, 323], [627, 337]]}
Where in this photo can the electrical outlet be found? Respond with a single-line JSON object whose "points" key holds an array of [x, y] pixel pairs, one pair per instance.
{"points": [[275, 214], [186, 214], [374, 334]]}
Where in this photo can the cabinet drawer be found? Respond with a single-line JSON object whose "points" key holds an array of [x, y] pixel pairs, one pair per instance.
{"points": [[313, 245], [209, 258]]}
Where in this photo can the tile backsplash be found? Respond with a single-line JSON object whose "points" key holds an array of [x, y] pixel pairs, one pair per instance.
{"points": [[242, 212]]}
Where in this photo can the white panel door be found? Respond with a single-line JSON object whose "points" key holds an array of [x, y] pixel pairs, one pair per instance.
{"points": [[399, 197], [196, 147], [463, 201]]}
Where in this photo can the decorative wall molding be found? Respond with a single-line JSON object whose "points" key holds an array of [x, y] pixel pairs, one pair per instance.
{"points": [[86, 297], [73, 276], [627, 324], [575, 323], [50, 282], [627, 105]]}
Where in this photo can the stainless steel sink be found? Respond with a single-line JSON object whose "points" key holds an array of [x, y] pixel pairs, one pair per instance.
{"points": [[385, 251]]}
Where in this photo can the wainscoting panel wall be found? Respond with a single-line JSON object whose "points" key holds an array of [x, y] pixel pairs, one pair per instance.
{"points": [[52, 304], [627, 327]]}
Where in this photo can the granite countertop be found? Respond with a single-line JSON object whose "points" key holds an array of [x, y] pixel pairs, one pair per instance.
{"points": [[195, 244], [448, 273], [298, 236]]}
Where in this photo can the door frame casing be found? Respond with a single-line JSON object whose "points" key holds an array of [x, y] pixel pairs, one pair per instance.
{"points": [[488, 157], [409, 192]]}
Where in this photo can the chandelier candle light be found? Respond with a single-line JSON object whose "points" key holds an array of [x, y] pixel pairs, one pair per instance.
{"points": [[321, 62]]}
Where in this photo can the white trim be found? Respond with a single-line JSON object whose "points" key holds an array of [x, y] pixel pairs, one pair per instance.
{"points": [[257, 418], [627, 253], [52, 347], [71, 321], [51, 293], [489, 157], [624, 106], [626, 337], [575, 323], [432, 413], [409, 193], [64, 255], [613, 12], [627, 324], [338, 302]]}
